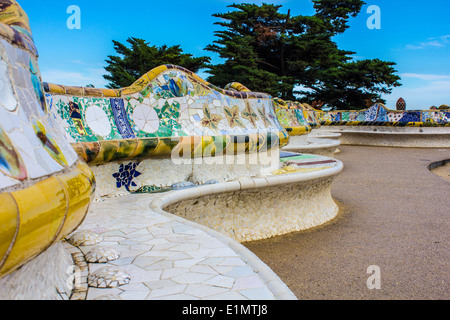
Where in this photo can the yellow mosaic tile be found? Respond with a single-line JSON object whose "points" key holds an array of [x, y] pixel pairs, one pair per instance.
{"points": [[126, 149], [79, 189], [132, 89], [9, 225], [56, 89], [111, 93], [158, 70], [144, 148], [84, 169], [298, 131], [106, 152], [75, 91], [13, 14], [164, 148], [93, 92], [42, 208], [79, 149]]}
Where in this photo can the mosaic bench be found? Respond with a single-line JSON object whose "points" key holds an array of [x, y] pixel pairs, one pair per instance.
{"points": [[150, 136], [300, 120], [245, 201], [296, 197], [379, 126], [291, 115], [379, 115], [45, 190]]}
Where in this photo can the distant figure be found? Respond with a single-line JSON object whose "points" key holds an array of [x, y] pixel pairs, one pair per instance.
{"points": [[401, 104]]}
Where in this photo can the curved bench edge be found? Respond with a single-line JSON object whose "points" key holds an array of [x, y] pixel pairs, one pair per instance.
{"points": [[278, 287]]}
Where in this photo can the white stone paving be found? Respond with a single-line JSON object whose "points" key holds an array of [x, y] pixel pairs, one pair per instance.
{"points": [[170, 258]]}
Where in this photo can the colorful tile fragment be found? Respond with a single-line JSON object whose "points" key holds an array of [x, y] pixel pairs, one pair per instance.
{"points": [[11, 163]]}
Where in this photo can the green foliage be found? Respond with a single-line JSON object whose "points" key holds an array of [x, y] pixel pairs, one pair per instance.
{"points": [[139, 57], [275, 52]]}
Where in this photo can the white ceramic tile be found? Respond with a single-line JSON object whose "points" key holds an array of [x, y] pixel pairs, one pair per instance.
{"points": [[6, 182], [8, 100], [98, 121]]}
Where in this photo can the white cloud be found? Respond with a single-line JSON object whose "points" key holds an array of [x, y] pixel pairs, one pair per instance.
{"points": [[76, 78], [436, 42], [414, 47], [441, 38], [426, 77]]}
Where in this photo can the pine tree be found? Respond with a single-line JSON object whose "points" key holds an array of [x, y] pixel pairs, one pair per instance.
{"points": [[139, 57], [275, 52]]}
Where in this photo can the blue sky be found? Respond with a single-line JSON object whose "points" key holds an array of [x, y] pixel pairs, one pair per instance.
{"points": [[414, 34]]}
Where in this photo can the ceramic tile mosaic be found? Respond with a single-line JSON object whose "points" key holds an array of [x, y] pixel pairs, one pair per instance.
{"points": [[292, 117], [38, 166], [379, 115], [169, 112], [174, 103]]}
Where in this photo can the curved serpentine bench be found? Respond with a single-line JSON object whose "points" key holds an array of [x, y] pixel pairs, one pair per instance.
{"points": [[311, 143], [295, 198], [379, 126], [300, 120], [58, 147], [170, 110], [45, 191], [169, 121], [202, 113], [254, 210]]}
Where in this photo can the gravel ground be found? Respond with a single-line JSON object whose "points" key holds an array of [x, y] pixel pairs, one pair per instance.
{"points": [[394, 213]]}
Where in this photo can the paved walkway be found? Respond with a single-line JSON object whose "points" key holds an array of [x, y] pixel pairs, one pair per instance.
{"points": [[394, 214], [170, 259]]}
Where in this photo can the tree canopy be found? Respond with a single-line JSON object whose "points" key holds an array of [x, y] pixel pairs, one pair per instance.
{"points": [[139, 57], [295, 56], [292, 57]]}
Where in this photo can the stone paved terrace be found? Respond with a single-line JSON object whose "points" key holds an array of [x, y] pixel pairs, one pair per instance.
{"points": [[394, 213], [169, 258]]}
